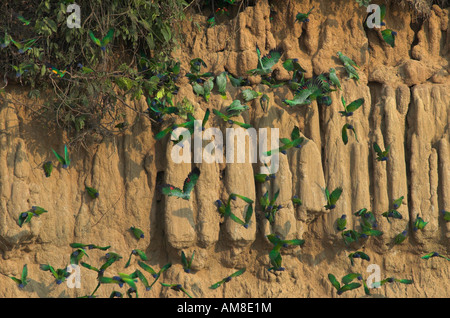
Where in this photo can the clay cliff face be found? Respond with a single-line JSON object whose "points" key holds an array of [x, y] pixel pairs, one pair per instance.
{"points": [[407, 106]]}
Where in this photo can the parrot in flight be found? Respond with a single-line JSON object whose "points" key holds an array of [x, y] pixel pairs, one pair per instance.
{"points": [[104, 41]]}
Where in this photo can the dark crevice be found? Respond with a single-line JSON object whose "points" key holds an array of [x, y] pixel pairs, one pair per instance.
{"points": [[416, 26], [375, 91], [322, 110], [407, 147]]}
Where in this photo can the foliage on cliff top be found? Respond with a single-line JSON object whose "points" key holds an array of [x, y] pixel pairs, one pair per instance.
{"points": [[41, 51]]}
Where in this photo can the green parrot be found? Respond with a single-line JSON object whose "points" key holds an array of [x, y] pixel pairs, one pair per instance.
{"points": [[265, 63], [25, 217], [188, 186], [187, 264], [350, 236], [249, 94], [23, 280], [263, 177], [23, 20], [345, 135], [116, 294], [176, 287], [190, 125], [104, 41], [303, 17], [65, 161], [295, 141], [345, 59], [446, 215], [221, 81], [391, 280], [76, 256], [225, 209], [268, 206], [227, 279], [229, 120], [398, 202], [350, 108], [419, 223], [351, 71], [358, 254], [301, 97], [196, 65], [332, 197], [341, 289], [150, 270], [292, 65], [334, 79], [211, 21], [237, 81], [56, 71], [400, 237], [278, 243], [204, 90], [264, 102], [60, 274], [48, 167], [25, 46], [89, 246], [296, 201], [236, 108], [342, 223], [389, 36], [275, 261], [93, 193], [381, 155], [84, 69], [394, 214], [434, 254], [5, 41], [137, 232], [367, 217], [138, 252], [22, 68]]}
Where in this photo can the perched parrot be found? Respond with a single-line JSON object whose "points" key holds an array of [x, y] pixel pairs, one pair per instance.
{"points": [[342, 223], [93, 193], [236, 108], [225, 209], [65, 161], [187, 264], [138, 233], [332, 198], [334, 79], [188, 186], [296, 141], [249, 94], [229, 120], [265, 63], [22, 281], [60, 274], [303, 17], [389, 36], [381, 155], [48, 167]]}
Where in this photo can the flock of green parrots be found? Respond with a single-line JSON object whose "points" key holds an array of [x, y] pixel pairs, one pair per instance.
{"points": [[305, 91]]}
